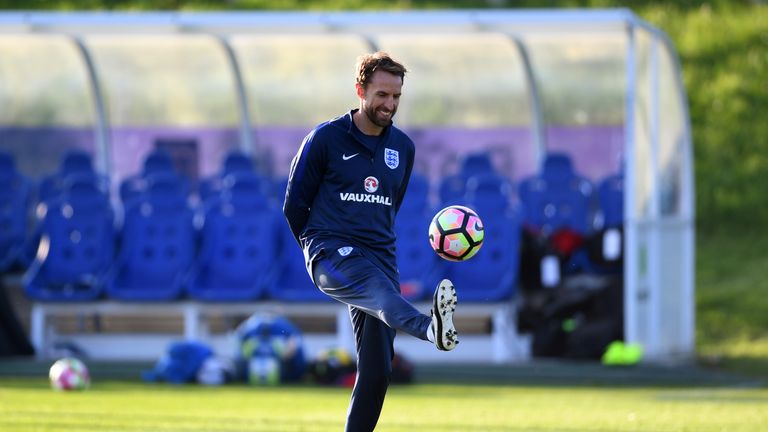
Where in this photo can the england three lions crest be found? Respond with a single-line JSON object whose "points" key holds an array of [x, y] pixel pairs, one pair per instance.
{"points": [[391, 158]]}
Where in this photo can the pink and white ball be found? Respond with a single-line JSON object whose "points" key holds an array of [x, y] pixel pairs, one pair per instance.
{"points": [[69, 373], [456, 233]]}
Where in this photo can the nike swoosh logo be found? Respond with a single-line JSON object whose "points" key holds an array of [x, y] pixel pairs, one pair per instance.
{"points": [[345, 157]]}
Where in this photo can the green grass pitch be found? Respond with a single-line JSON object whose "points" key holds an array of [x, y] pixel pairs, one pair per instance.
{"points": [[28, 404]]}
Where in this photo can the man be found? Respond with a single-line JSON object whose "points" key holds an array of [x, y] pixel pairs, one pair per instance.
{"points": [[345, 187]]}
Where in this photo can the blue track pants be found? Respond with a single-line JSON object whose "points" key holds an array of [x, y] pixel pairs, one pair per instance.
{"points": [[377, 310]]}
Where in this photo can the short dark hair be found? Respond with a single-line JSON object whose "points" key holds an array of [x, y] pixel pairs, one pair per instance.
{"points": [[367, 64]]}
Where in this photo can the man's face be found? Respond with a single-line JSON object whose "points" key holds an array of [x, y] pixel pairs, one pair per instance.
{"points": [[380, 98]]}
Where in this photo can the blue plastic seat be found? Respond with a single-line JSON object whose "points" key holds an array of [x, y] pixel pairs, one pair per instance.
{"points": [[158, 243], [76, 246], [611, 198], [492, 274], [477, 163], [234, 162], [453, 188], [488, 191], [237, 162], [558, 220], [77, 161], [239, 238], [15, 195], [74, 162], [557, 198], [606, 245], [417, 195], [156, 162], [557, 166], [292, 282], [415, 258]]}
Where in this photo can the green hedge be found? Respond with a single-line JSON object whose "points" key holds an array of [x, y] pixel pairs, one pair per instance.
{"points": [[724, 53]]}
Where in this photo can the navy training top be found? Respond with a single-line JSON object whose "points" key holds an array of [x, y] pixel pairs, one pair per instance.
{"points": [[345, 188]]}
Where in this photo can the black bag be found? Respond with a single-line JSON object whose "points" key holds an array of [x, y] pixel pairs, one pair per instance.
{"points": [[576, 323], [13, 339]]}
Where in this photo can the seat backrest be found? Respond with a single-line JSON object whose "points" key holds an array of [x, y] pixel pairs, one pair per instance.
{"points": [[451, 190], [74, 162], [292, 283], [131, 188], [549, 208], [488, 193], [77, 236], [11, 231], [7, 167], [557, 166], [557, 198], [15, 192], [239, 232], [611, 197], [237, 248], [158, 233], [492, 274], [84, 192], [14, 187], [415, 257], [572, 204], [417, 195], [476, 163], [245, 191], [209, 188], [236, 162], [158, 161], [165, 192]]}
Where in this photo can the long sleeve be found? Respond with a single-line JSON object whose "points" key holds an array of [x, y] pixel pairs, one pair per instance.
{"points": [[306, 174]]}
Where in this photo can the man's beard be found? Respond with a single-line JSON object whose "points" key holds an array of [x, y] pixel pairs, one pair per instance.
{"points": [[370, 112]]}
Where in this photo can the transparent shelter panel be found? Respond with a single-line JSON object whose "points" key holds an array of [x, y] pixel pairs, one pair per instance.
{"points": [[642, 139], [293, 83], [582, 84], [46, 99], [464, 94], [672, 140], [174, 91]]}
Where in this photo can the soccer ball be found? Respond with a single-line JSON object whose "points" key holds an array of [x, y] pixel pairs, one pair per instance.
{"points": [[69, 373], [456, 233]]}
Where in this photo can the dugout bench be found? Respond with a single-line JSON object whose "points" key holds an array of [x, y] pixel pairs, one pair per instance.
{"points": [[491, 337]]}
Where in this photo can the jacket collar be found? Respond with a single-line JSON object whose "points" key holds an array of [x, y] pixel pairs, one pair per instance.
{"points": [[351, 128]]}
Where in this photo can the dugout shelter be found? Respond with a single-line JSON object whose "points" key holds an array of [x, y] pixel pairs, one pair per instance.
{"points": [[603, 87]]}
